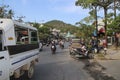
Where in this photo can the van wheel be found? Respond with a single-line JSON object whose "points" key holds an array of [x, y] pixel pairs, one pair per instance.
{"points": [[29, 73], [12, 78]]}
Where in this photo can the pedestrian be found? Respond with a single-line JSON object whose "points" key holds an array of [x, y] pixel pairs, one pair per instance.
{"points": [[116, 39], [94, 44], [104, 44], [40, 46]]}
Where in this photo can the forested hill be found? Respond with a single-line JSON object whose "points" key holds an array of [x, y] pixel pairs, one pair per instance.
{"points": [[64, 27]]}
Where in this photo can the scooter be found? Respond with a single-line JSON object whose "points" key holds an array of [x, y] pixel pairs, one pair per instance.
{"points": [[62, 46], [53, 48], [78, 52]]}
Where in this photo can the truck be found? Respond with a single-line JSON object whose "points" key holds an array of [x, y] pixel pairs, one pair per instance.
{"points": [[19, 49]]}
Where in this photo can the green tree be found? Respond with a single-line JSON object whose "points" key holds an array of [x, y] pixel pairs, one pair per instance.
{"points": [[114, 26], [10, 13], [105, 4], [5, 12], [91, 4], [115, 6], [85, 31], [43, 31], [36, 25]]}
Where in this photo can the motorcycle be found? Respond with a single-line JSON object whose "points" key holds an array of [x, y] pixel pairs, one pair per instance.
{"points": [[99, 49], [61, 45], [53, 48], [78, 52]]}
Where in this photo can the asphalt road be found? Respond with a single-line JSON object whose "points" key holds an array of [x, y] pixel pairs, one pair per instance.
{"points": [[59, 66]]}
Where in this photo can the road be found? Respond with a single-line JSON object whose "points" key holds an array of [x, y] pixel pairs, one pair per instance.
{"points": [[59, 66]]}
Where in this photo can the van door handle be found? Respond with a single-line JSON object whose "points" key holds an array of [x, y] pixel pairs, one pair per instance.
{"points": [[2, 57]]}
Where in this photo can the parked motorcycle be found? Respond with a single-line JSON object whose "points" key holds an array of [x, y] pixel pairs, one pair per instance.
{"points": [[78, 52], [102, 50]]}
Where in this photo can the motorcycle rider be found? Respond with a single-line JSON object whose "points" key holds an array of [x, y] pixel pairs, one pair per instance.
{"points": [[61, 43], [53, 46], [40, 46], [94, 44]]}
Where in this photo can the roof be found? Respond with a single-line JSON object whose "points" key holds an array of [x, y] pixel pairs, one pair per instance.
{"points": [[24, 25], [7, 24]]}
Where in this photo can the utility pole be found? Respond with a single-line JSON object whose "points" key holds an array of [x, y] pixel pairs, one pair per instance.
{"points": [[115, 9], [96, 24]]}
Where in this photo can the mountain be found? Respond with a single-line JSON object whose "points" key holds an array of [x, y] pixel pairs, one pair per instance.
{"points": [[64, 27]]}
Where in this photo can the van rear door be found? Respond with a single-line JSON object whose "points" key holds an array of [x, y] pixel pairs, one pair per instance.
{"points": [[4, 60]]}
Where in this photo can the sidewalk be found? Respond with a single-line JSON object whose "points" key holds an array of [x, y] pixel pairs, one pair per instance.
{"points": [[113, 54], [111, 63]]}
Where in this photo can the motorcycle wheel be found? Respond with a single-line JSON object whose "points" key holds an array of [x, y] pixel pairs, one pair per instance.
{"points": [[53, 52]]}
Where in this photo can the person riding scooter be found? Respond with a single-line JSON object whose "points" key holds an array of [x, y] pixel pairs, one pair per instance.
{"points": [[61, 44], [53, 47]]}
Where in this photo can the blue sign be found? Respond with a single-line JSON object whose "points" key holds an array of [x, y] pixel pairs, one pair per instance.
{"points": [[95, 33]]}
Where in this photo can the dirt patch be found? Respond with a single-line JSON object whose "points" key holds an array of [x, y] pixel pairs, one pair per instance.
{"points": [[105, 57], [100, 57], [96, 70]]}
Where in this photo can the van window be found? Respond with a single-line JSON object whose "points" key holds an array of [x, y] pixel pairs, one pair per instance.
{"points": [[34, 38], [20, 34], [25, 35]]}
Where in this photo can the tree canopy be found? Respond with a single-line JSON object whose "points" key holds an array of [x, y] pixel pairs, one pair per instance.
{"points": [[114, 26], [5, 12]]}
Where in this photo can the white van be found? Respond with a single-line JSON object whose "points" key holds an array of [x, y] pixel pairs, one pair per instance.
{"points": [[17, 58]]}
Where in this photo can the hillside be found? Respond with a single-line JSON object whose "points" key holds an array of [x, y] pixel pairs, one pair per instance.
{"points": [[61, 26]]}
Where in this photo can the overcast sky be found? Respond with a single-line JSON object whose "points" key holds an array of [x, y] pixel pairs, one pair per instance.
{"points": [[46, 10]]}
